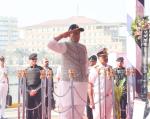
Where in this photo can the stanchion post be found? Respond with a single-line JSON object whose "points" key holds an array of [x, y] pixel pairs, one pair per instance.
{"points": [[23, 73], [19, 78], [99, 92], [43, 92], [128, 73], [106, 76], [112, 74], [49, 78], [71, 73], [132, 70]]}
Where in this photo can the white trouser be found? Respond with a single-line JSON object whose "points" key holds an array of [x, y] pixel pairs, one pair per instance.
{"points": [[79, 98], [103, 109], [78, 113], [3, 94]]}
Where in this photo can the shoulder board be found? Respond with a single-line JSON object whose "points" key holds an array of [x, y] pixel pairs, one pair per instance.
{"points": [[109, 66], [95, 66]]}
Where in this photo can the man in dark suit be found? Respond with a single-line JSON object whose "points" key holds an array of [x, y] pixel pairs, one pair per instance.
{"points": [[33, 86]]}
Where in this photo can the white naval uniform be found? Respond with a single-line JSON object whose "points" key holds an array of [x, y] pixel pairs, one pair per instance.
{"points": [[75, 59], [3, 90], [105, 104]]}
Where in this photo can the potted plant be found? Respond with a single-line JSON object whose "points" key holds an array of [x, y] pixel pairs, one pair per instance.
{"points": [[139, 24]]}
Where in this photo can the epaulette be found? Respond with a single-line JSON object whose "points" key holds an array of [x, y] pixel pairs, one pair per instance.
{"points": [[96, 66], [109, 66]]}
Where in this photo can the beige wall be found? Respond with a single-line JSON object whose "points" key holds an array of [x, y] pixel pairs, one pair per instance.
{"points": [[36, 38]]}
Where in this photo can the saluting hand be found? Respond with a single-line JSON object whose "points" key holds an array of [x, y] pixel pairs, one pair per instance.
{"points": [[65, 34]]}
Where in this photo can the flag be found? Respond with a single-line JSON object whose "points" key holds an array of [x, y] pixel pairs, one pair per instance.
{"points": [[140, 8], [142, 2]]}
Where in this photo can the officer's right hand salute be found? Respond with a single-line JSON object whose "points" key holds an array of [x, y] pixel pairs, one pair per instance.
{"points": [[65, 34]]}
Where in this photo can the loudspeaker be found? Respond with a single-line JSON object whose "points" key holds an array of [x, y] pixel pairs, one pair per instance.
{"points": [[8, 100]]}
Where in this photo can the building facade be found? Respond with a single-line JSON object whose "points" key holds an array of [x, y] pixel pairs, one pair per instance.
{"points": [[35, 38], [8, 31], [97, 34]]}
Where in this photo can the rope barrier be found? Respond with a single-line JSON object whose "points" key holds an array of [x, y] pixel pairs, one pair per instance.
{"points": [[78, 113], [79, 95], [63, 110], [32, 109], [59, 109], [62, 94], [37, 89]]}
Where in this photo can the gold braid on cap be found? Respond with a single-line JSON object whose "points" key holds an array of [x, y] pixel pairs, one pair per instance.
{"points": [[105, 51]]}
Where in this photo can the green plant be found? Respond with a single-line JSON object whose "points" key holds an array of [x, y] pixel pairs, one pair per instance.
{"points": [[139, 24], [118, 90]]}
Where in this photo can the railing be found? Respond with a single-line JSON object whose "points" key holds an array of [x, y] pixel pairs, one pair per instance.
{"points": [[71, 90]]}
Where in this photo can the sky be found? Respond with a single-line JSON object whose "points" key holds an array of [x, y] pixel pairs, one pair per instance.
{"points": [[29, 12]]}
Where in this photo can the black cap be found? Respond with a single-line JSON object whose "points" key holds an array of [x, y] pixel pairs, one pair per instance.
{"points": [[102, 52], [75, 26], [92, 58], [2, 58], [33, 56], [120, 59]]}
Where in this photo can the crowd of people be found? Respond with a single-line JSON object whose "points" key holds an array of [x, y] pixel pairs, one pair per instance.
{"points": [[91, 80]]}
